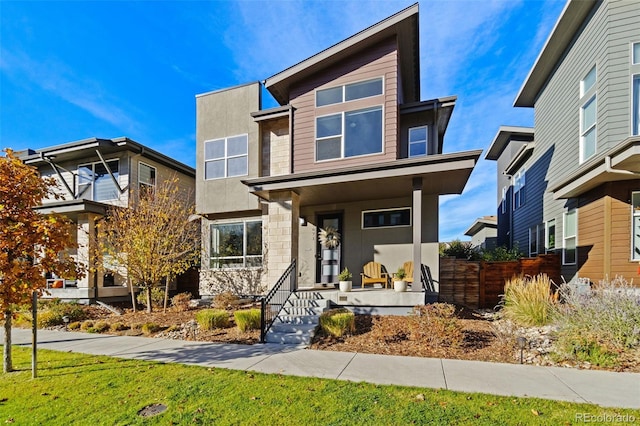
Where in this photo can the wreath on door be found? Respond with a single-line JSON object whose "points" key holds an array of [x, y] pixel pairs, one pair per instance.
{"points": [[329, 237]]}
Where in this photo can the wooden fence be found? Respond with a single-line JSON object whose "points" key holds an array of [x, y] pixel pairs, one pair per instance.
{"points": [[479, 284]]}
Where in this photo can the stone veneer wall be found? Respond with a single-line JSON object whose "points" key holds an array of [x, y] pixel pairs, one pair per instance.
{"points": [[282, 233]]}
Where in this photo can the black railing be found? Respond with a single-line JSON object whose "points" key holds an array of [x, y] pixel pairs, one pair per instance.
{"points": [[427, 282], [274, 301]]}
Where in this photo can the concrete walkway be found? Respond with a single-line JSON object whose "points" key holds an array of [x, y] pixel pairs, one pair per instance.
{"points": [[603, 388]]}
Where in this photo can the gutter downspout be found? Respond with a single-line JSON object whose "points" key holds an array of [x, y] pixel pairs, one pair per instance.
{"points": [[609, 169]]}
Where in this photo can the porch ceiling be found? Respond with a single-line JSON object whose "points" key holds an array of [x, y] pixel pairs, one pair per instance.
{"points": [[441, 174]]}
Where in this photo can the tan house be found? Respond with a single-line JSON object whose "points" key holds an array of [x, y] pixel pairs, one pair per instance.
{"points": [[352, 152], [94, 174]]}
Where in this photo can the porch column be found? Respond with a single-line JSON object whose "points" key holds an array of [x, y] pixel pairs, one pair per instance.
{"points": [[85, 232], [417, 233], [281, 233]]}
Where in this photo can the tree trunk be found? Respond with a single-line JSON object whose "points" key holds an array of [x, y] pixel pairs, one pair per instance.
{"points": [[133, 294], [148, 290], [166, 293], [7, 364]]}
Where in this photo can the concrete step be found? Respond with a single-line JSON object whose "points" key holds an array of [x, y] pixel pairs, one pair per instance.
{"points": [[301, 310], [310, 303], [287, 328], [307, 295], [298, 319], [289, 338]]}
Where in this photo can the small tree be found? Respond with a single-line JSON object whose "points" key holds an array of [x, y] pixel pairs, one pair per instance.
{"points": [[31, 243], [153, 239]]}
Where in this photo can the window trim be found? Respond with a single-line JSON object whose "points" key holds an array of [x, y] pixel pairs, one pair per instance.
{"points": [[409, 208], [565, 237], [426, 128], [342, 135], [142, 163], [244, 256], [344, 92], [93, 180], [633, 58], [226, 157]]}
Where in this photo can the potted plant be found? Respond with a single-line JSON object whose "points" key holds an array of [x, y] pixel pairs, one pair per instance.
{"points": [[399, 284], [344, 280]]}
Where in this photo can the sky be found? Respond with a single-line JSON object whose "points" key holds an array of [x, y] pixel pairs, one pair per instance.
{"points": [[79, 69]]}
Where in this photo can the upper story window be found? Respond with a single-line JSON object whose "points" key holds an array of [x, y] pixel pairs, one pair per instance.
{"points": [[570, 238], [349, 134], [588, 116], [226, 157], [95, 183], [349, 92], [146, 177], [519, 181], [418, 137], [635, 89], [386, 218]]}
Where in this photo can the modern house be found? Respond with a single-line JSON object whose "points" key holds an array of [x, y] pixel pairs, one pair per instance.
{"points": [[94, 174], [352, 154], [483, 232], [572, 183]]}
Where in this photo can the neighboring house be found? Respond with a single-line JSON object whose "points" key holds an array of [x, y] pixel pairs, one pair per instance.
{"points": [[351, 147], [572, 184], [94, 174], [484, 232]]}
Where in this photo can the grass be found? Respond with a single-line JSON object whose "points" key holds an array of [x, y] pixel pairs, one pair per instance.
{"points": [[209, 319], [248, 319], [81, 389], [338, 322], [528, 300]]}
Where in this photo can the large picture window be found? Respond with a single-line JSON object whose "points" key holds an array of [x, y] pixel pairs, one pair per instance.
{"points": [[236, 244], [570, 238], [386, 218], [588, 116], [349, 92], [95, 183], [349, 134], [227, 157]]}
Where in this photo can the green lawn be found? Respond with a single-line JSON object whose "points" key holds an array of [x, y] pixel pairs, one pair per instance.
{"points": [[81, 389]]}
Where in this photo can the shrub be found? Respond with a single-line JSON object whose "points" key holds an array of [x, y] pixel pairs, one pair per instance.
{"points": [[150, 328], [598, 325], [181, 301], [100, 327], [118, 326], [437, 325], [157, 297], [528, 300], [74, 325], [49, 319], [338, 322], [224, 300], [247, 319], [501, 254], [208, 319], [86, 325], [459, 250]]}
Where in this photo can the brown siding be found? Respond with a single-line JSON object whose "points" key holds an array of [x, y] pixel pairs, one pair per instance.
{"points": [[379, 61]]}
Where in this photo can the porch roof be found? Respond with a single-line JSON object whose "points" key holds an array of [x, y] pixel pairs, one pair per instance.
{"points": [[73, 208], [441, 174]]}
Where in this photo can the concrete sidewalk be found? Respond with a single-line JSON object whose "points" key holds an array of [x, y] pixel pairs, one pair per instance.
{"points": [[603, 388]]}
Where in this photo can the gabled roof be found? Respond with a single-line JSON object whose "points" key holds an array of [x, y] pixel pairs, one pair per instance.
{"points": [[562, 36], [76, 150], [403, 25], [482, 222], [505, 135]]}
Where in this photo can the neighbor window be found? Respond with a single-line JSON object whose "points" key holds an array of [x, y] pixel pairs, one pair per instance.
{"points": [[635, 89], [349, 92], [570, 237], [386, 218], [236, 244], [226, 157], [635, 55], [418, 137], [519, 181], [349, 134], [635, 224], [146, 177], [588, 116], [536, 240], [503, 202], [95, 183], [551, 235]]}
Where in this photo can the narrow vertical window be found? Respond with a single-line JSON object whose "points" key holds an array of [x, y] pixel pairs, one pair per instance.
{"points": [[635, 226], [588, 116], [551, 235], [570, 238], [146, 178]]}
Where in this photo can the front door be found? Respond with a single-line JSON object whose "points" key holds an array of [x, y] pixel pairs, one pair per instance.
{"points": [[328, 247]]}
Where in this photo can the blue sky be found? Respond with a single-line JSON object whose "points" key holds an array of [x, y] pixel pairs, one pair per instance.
{"points": [[73, 70]]}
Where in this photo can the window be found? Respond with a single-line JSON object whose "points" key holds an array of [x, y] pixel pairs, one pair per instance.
{"points": [[95, 183], [503, 202], [519, 181], [386, 218], [236, 244], [635, 55], [635, 89], [588, 116], [418, 141], [635, 224], [146, 177], [551, 235], [349, 92], [536, 240], [570, 238], [226, 157], [349, 134]]}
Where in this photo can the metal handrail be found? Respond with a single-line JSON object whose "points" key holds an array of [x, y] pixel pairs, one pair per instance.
{"points": [[274, 301]]}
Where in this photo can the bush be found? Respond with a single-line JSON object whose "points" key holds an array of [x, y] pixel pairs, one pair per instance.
{"points": [[49, 319], [598, 325], [118, 326], [528, 301], [86, 325], [50, 313], [208, 319], [459, 250], [338, 322], [100, 327], [74, 325], [501, 254], [248, 319], [437, 325], [157, 297], [181, 301], [150, 328], [224, 300]]}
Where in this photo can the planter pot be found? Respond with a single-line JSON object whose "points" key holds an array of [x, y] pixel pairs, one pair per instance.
{"points": [[400, 286], [345, 285]]}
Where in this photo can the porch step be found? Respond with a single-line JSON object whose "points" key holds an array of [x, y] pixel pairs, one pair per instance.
{"points": [[297, 321]]}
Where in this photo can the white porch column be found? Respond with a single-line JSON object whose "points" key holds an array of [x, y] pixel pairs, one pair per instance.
{"points": [[417, 233], [85, 231], [282, 233]]}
